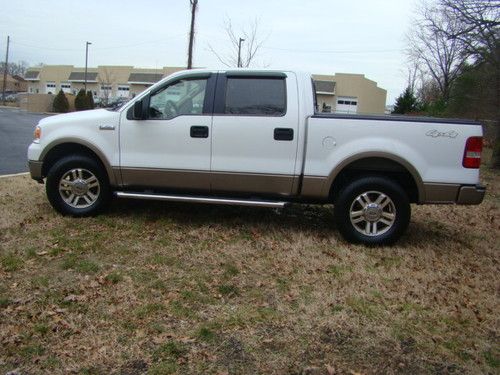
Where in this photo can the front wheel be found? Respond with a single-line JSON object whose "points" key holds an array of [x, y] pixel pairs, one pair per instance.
{"points": [[372, 210], [77, 185]]}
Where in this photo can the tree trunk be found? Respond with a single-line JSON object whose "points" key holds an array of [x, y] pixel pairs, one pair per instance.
{"points": [[495, 158]]}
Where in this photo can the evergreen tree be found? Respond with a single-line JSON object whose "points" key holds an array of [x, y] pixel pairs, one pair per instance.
{"points": [[406, 102], [60, 104], [81, 101], [90, 100]]}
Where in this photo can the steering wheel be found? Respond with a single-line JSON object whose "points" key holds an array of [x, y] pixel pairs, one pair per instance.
{"points": [[155, 112], [170, 109]]}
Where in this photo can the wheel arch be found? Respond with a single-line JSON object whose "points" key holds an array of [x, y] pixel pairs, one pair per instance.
{"points": [[377, 163], [54, 151]]}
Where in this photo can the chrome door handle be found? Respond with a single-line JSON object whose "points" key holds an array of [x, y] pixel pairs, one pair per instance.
{"points": [[106, 127]]}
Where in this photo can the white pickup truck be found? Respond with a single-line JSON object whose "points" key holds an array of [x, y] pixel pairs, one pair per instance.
{"points": [[253, 137]]}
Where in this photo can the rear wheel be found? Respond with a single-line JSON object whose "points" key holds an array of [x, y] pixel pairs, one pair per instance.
{"points": [[77, 185], [372, 210]]}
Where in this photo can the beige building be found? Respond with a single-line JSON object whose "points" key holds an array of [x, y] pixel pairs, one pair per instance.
{"points": [[106, 82], [340, 93], [349, 93]]}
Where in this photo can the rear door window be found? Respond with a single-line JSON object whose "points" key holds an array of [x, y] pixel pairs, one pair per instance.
{"points": [[255, 96]]}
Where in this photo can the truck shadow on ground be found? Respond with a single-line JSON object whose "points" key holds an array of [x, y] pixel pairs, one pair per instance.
{"points": [[307, 218], [311, 220]]}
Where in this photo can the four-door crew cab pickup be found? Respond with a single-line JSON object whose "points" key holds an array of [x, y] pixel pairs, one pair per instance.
{"points": [[252, 137]]}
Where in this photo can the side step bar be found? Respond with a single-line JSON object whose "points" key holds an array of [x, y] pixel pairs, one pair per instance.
{"points": [[198, 199]]}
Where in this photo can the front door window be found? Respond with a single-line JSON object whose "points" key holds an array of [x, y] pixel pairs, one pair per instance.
{"points": [[184, 97]]}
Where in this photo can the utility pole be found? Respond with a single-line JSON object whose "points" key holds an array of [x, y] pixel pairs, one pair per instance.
{"points": [[86, 62], [194, 5], [5, 70], [239, 52]]}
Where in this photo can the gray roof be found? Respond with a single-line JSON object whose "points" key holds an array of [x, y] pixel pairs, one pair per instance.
{"points": [[145, 77], [325, 86], [32, 74], [80, 76]]}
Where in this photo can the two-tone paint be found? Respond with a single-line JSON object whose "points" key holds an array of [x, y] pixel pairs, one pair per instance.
{"points": [[241, 156]]}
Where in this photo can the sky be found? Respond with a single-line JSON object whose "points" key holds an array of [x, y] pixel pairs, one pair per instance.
{"points": [[323, 37]]}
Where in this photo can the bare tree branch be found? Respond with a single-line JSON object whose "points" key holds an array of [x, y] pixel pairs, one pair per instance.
{"points": [[433, 51], [249, 49]]}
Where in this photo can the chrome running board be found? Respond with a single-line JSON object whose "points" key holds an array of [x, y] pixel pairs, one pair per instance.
{"points": [[198, 199]]}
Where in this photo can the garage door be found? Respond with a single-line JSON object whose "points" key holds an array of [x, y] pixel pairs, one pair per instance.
{"points": [[347, 105], [50, 88]]}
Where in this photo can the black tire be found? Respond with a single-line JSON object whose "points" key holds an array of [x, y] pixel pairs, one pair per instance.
{"points": [[372, 216], [99, 195]]}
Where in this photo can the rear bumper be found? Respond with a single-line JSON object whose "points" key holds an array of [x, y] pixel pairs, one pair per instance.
{"points": [[453, 193], [35, 168], [471, 194]]}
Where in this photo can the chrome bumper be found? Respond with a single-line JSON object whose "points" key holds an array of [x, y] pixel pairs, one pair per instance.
{"points": [[35, 168]]}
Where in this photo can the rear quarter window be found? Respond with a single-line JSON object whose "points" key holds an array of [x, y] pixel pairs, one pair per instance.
{"points": [[255, 96]]}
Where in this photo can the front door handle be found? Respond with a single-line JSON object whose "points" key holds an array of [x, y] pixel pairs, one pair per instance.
{"points": [[106, 127], [199, 132], [283, 134]]}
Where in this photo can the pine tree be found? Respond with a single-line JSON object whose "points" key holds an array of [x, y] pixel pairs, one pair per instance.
{"points": [[406, 102], [60, 104], [81, 101], [90, 100]]}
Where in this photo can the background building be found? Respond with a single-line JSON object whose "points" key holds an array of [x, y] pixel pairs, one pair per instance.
{"points": [[349, 93], [13, 84], [106, 82], [341, 93]]}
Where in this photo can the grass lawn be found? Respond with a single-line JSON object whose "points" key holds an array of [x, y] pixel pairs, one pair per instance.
{"points": [[184, 288]]}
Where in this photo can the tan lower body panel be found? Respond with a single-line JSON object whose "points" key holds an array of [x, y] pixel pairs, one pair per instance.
{"points": [[206, 181], [253, 183], [166, 178], [315, 187], [440, 193]]}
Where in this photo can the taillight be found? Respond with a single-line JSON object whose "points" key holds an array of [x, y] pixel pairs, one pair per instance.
{"points": [[472, 153]]}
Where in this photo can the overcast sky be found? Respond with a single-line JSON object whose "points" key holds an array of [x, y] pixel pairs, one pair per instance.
{"points": [[363, 36]]}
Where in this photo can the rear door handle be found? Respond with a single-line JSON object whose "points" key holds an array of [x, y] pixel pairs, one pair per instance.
{"points": [[283, 134], [199, 131]]}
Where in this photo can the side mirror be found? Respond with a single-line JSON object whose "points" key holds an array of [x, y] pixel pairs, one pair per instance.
{"points": [[138, 113], [135, 112]]}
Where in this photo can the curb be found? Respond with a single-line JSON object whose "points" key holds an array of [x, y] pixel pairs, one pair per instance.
{"points": [[13, 175]]}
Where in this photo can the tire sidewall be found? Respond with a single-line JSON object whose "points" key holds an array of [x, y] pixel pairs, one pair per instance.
{"points": [[390, 188], [64, 165]]}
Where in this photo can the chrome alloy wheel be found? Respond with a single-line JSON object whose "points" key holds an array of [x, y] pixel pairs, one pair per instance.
{"points": [[79, 188], [372, 213]]}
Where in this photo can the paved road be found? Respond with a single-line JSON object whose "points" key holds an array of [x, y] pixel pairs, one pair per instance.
{"points": [[16, 133]]}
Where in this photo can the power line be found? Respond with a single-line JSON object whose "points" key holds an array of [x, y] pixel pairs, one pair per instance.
{"points": [[330, 51], [159, 41], [209, 37]]}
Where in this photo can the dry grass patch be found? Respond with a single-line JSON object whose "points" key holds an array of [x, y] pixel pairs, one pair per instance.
{"points": [[168, 288]]}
